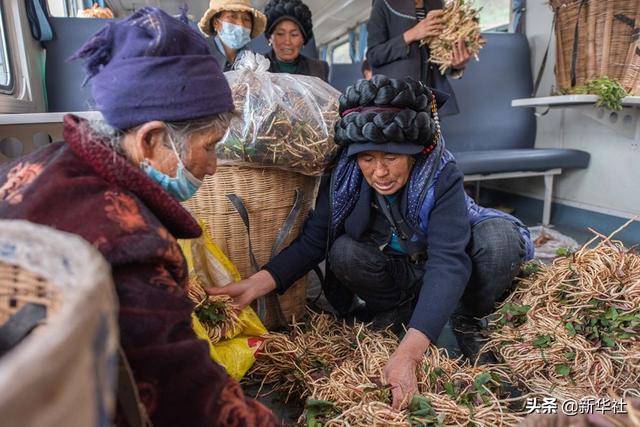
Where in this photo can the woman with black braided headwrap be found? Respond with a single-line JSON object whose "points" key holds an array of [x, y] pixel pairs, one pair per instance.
{"points": [[397, 230], [289, 27]]}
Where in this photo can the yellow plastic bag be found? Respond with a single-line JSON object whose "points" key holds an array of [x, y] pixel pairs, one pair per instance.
{"points": [[236, 353]]}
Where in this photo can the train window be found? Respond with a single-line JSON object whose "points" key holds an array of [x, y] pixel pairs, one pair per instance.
{"points": [[60, 8], [6, 77], [340, 54], [494, 13]]}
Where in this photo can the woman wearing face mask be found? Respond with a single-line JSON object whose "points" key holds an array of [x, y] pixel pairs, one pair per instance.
{"points": [[289, 27], [396, 229], [233, 23], [119, 184]]}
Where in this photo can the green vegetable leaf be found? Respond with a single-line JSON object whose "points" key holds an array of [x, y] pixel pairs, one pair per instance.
{"points": [[570, 356], [543, 341], [563, 370], [450, 389], [569, 327], [317, 411], [564, 252], [481, 380], [608, 341]]}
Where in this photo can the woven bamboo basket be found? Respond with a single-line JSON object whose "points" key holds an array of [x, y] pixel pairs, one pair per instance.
{"points": [[73, 347], [19, 287], [606, 46], [268, 196]]}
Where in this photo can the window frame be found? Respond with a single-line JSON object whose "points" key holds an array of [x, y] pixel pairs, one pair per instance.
{"points": [[6, 45], [344, 40]]}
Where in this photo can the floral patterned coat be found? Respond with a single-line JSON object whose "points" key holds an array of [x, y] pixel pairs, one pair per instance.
{"points": [[84, 188]]}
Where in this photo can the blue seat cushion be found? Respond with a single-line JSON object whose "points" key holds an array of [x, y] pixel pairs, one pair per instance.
{"points": [[520, 160], [344, 75]]}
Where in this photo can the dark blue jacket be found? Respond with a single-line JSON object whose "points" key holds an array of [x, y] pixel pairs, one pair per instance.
{"points": [[434, 204]]}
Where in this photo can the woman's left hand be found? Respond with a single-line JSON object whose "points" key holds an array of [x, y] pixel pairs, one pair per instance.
{"points": [[400, 371], [461, 55]]}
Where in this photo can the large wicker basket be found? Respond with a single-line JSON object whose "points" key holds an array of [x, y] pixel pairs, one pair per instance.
{"points": [[63, 372], [268, 196], [607, 45]]}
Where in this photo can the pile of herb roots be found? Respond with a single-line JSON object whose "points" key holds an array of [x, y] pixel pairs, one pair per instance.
{"points": [[291, 129], [461, 23], [571, 329], [338, 369]]}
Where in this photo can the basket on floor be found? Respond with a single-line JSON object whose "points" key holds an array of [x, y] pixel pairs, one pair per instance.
{"points": [[63, 372], [268, 196], [607, 43]]}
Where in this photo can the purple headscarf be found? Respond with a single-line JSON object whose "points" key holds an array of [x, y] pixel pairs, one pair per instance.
{"points": [[151, 66]]}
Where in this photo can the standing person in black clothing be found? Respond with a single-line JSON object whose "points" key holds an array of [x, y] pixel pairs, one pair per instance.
{"points": [[395, 29], [289, 27], [233, 24]]}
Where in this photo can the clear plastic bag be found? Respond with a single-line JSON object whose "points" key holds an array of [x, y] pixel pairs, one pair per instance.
{"points": [[286, 121], [547, 241]]}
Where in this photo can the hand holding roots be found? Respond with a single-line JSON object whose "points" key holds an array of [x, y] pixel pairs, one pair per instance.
{"points": [[217, 314], [461, 23]]}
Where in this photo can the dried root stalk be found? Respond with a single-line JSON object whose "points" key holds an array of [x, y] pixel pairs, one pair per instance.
{"points": [[217, 314], [461, 22], [571, 329], [467, 395], [338, 368], [293, 132], [312, 349]]}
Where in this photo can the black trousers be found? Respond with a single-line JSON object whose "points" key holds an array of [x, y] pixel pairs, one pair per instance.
{"points": [[387, 281]]}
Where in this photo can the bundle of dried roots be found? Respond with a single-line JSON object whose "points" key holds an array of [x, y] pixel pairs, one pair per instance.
{"points": [[572, 328], [461, 23]]}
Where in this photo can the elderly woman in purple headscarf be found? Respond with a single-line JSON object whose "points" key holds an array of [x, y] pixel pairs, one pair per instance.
{"points": [[119, 184]]}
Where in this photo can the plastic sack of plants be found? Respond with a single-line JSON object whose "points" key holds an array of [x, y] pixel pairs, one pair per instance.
{"points": [[286, 121]]}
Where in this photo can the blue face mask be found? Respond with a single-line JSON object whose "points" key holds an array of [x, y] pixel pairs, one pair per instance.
{"points": [[234, 36], [182, 187]]}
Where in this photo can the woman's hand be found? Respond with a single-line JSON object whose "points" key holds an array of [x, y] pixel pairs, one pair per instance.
{"points": [[246, 291], [432, 25], [461, 55], [400, 371]]}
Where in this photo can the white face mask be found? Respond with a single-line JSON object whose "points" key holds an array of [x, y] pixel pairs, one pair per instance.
{"points": [[234, 36]]}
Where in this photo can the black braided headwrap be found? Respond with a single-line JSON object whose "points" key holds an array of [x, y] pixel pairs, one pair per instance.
{"points": [[276, 10], [384, 110]]}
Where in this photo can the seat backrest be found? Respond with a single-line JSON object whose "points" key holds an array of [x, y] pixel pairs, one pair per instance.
{"points": [[260, 45], [487, 121], [343, 75], [64, 79]]}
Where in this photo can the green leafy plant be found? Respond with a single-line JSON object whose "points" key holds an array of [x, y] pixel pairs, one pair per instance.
{"points": [[513, 314], [318, 412], [565, 252], [610, 92], [421, 413], [604, 325], [531, 268], [211, 312], [543, 341]]}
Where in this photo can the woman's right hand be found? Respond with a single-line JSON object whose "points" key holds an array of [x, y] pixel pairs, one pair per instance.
{"points": [[246, 291], [431, 26]]}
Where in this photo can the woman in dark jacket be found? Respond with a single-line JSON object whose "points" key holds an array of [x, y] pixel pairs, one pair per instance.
{"points": [[395, 29], [289, 27], [395, 228], [119, 183]]}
